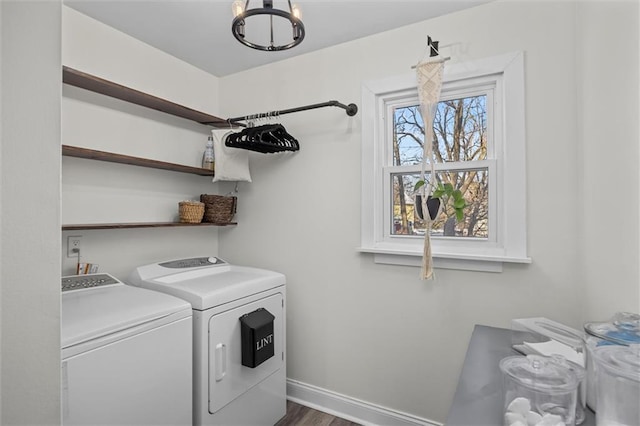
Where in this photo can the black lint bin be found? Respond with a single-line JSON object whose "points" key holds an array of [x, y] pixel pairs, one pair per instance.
{"points": [[257, 337]]}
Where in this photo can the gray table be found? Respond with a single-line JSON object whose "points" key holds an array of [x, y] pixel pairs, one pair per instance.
{"points": [[478, 400]]}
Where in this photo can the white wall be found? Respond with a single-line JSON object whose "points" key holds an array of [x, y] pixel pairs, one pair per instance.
{"points": [[376, 332], [30, 212], [608, 102], [96, 192]]}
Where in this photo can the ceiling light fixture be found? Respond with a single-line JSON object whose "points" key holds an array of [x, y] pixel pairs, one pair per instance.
{"points": [[241, 12]]}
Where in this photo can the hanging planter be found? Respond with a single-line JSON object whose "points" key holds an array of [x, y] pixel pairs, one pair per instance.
{"points": [[433, 206], [429, 79], [448, 194]]}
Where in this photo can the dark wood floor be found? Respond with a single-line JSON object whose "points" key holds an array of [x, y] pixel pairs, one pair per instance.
{"points": [[300, 415]]}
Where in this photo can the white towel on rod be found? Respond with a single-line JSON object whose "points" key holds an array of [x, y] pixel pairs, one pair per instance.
{"points": [[231, 164]]}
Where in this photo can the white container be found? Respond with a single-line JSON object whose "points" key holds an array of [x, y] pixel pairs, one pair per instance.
{"points": [[208, 155], [618, 375]]}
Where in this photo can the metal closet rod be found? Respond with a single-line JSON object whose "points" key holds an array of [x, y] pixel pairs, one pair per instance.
{"points": [[351, 109]]}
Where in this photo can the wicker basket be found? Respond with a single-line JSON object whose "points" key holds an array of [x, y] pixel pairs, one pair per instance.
{"points": [[218, 208], [191, 211]]}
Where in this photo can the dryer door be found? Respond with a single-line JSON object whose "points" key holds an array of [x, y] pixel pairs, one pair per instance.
{"points": [[228, 378]]}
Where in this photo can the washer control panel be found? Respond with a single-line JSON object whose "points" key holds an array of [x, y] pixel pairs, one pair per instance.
{"points": [[77, 282], [194, 262]]}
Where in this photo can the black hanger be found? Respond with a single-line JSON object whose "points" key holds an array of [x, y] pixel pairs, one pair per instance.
{"points": [[267, 139]]}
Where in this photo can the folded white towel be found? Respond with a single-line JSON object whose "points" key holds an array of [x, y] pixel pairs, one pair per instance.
{"points": [[231, 164], [552, 347]]}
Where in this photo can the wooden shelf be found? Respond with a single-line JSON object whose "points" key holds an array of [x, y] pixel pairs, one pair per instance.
{"points": [[105, 87], [76, 227], [96, 84], [91, 154]]}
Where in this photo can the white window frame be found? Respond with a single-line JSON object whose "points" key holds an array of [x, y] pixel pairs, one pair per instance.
{"points": [[503, 77]]}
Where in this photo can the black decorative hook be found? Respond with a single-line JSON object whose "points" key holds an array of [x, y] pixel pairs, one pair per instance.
{"points": [[433, 46]]}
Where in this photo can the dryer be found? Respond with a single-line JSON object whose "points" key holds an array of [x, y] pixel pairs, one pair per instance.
{"points": [[126, 354], [226, 392]]}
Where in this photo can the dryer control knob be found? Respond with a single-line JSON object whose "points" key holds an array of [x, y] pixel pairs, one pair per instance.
{"points": [[213, 260]]}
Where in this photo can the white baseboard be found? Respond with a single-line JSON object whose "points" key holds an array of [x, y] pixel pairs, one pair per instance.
{"points": [[348, 408]]}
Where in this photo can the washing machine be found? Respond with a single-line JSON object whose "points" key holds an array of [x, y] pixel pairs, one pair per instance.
{"points": [[238, 312], [126, 354]]}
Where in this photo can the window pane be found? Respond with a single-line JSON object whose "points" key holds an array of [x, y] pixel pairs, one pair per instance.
{"points": [[460, 129], [408, 136], [459, 126], [474, 185], [405, 221]]}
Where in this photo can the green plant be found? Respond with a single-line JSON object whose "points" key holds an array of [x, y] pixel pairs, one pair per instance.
{"points": [[448, 195]]}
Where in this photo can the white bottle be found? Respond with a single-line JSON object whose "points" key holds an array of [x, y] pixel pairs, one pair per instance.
{"points": [[207, 157]]}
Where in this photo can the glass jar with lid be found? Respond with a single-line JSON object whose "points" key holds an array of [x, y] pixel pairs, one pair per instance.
{"points": [[538, 390], [623, 329], [618, 378]]}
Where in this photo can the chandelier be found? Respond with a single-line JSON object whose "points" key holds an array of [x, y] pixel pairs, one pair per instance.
{"points": [[264, 29]]}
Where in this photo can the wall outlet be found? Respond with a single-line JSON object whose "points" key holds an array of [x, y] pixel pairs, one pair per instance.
{"points": [[73, 245]]}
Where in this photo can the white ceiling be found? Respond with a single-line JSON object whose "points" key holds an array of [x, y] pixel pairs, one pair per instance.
{"points": [[199, 31]]}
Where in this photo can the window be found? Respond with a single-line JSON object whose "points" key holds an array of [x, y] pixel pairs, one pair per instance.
{"points": [[478, 149], [462, 142]]}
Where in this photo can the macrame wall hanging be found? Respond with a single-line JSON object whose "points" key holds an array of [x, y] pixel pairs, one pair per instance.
{"points": [[429, 79]]}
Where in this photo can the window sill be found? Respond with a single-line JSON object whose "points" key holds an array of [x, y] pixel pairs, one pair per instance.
{"points": [[463, 262]]}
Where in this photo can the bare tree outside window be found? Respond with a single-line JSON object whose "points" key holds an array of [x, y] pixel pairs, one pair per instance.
{"points": [[460, 138]]}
